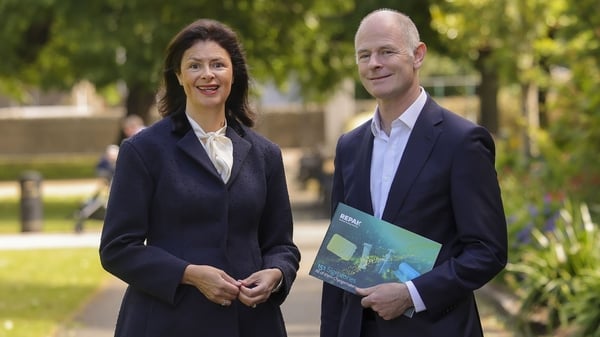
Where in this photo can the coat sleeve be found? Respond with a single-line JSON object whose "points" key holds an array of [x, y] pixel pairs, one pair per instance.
{"points": [[276, 225], [123, 251]]}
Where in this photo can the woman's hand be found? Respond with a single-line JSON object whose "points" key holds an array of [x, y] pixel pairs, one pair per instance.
{"points": [[214, 283], [257, 288]]}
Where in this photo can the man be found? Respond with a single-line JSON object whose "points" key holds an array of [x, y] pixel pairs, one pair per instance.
{"points": [[424, 168]]}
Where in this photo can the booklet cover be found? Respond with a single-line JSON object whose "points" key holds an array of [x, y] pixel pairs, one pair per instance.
{"points": [[360, 250]]}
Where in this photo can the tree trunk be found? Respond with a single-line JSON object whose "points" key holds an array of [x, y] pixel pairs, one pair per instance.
{"points": [[531, 114], [488, 91], [138, 102], [543, 95]]}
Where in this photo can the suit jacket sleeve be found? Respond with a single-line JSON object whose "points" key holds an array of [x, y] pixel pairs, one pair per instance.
{"points": [[475, 248]]}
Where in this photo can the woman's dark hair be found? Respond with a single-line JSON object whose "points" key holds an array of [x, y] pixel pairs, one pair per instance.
{"points": [[171, 98]]}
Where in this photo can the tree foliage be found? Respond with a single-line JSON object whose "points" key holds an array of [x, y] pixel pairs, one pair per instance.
{"points": [[576, 130], [56, 43]]}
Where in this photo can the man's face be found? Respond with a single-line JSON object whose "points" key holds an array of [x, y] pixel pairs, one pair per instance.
{"points": [[386, 66]]}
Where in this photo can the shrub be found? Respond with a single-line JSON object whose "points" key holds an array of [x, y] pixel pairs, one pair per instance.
{"points": [[559, 267], [585, 304], [50, 168]]}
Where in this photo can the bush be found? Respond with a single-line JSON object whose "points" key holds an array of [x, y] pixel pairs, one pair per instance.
{"points": [[559, 267], [585, 304], [80, 167]]}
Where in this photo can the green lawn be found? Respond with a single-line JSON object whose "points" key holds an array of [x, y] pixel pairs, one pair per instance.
{"points": [[41, 289], [53, 167], [57, 213]]}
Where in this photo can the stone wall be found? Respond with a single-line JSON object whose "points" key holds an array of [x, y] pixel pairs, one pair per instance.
{"points": [[293, 126], [47, 134], [34, 135]]}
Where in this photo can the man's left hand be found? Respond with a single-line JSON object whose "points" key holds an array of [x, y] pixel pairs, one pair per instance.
{"points": [[388, 300]]}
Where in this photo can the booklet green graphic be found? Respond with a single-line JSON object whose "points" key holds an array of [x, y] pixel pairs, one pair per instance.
{"points": [[360, 250]]}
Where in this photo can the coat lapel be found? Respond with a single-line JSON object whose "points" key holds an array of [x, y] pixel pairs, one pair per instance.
{"points": [[190, 145], [241, 147], [420, 144], [360, 191]]}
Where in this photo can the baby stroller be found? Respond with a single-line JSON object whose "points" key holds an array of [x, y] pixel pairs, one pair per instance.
{"points": [[94, 207]]}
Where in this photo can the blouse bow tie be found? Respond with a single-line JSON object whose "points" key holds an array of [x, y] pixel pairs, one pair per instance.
{"points": [[220, 151]]}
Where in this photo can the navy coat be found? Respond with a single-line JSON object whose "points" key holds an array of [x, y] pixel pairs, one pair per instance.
{"points": [[168, 207], [445, 189]]}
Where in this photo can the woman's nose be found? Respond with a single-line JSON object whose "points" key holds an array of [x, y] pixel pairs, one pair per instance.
{"points": [[207, 73]]}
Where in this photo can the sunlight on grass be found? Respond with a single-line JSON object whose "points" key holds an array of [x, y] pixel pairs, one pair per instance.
{"points": [[40, 289], [57, 213]]}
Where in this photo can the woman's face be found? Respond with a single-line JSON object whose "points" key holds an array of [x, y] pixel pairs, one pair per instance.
{"points": [[206, 75]]}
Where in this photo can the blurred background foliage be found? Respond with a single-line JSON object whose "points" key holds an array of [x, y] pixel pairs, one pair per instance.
{"points": [[538, 63]]}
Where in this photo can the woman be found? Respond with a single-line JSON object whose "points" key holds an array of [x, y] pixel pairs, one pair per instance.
{"points": [[199, 221]]}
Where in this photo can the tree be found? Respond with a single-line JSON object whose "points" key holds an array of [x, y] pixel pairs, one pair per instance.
{"points": [[468, 38], [575, 130], [23, 33], [55, 43]]}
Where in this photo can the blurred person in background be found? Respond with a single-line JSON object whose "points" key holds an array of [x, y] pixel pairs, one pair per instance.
{"points": [[105, 168], [131, 125]]}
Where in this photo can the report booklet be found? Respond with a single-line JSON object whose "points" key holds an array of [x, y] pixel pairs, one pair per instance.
{"points": [[361, 250]]}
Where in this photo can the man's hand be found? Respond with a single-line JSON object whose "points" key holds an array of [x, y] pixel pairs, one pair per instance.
{"points": [[388, 300]]}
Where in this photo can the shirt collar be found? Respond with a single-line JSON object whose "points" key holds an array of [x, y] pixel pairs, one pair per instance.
{"points": [[200, 132], [408, 117]]}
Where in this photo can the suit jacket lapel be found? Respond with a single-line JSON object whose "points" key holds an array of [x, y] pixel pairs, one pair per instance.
{"points": [[419, 146], [359, 193]]}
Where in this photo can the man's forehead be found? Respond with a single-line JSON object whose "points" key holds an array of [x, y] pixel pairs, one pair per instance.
{"points": [[376, 25], [378, 35]]}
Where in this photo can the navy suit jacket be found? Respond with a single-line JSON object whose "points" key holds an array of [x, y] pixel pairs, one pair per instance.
{"points": [[168, 207], [445, 189]]}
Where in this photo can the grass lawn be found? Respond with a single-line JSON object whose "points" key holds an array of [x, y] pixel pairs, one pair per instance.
{"points": [[41, 289], [57, 213]]}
